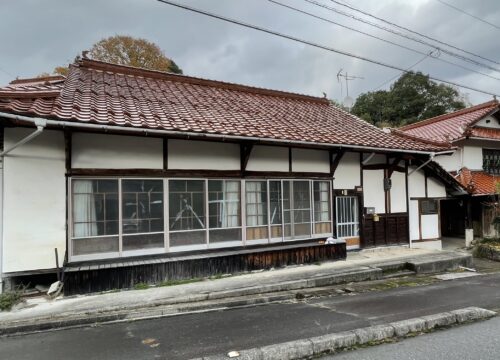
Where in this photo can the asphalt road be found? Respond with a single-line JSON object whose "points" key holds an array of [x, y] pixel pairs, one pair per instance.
{"points": [[469, 342], [195, 335]]}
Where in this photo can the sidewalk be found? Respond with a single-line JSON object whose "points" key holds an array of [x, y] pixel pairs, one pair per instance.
{"points": [[240, 290]]}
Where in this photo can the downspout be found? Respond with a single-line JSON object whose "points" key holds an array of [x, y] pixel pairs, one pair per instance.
{"points": [[40, 125]]}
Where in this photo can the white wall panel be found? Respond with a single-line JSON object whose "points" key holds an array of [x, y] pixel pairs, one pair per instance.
{"points": [[450, 162], [34, 201], [306, 160], [203, 155], [473, 157], [268, 158], [348, 174], [102, 151], [489, 122], [416, 183], [398, 192], [413, 219], [435, 188], [430, 226], [373, 190]]}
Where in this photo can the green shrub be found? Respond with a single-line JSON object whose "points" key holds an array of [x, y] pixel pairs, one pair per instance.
{"points": [[9, 299], [141, 286]]}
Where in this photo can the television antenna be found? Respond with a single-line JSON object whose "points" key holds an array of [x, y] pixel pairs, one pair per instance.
{"points": [[348, 101]]}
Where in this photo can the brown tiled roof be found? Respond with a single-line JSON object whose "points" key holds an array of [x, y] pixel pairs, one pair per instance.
{"points": [[478, 182], [452, 126], [103, 93]]}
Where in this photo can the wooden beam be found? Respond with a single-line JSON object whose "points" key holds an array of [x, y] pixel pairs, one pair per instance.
{"points": [[68, 145], [290, 159], [165, 153], [393, 165], [383, 167], [195, 173], [245, 151], [334, 163]]}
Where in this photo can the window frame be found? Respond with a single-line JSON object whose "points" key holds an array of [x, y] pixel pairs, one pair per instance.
{"points": [[167, 248]]}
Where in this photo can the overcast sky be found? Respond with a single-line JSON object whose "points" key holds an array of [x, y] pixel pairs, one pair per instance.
{"points": [[38, 35]]}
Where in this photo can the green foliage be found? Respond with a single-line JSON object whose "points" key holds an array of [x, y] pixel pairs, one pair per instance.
{"points": [[9, 299], [179, 282], [413, 97], [141, 286]]}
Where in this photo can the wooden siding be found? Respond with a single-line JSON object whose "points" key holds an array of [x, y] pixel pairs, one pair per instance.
{"points": [[103, 276], [391, 229]]}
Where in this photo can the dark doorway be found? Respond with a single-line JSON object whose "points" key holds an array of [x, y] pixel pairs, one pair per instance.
{"points": [[453, 214]]}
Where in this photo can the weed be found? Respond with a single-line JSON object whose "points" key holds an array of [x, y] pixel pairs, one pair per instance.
{"points": [[179, 282], [141, 286], [9, 299]]}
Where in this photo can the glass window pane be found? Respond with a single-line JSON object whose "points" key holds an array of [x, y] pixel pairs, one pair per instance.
{"points": [[86, 246], [186, 204], [143, 241], [256, 203], [187, 238], [94, 207], [140, 199]]}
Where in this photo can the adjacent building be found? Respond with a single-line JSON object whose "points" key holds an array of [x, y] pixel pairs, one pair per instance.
{"points": [[475, 131], [141, 176]]}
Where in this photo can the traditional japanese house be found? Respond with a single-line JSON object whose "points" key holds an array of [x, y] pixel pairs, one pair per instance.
{"points": [[141, 176], [475, 131]]}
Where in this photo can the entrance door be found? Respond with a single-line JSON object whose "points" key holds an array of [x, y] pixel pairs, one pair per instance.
{"points": [[297, 209]]}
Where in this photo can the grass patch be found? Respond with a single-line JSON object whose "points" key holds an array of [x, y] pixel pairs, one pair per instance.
{"points": [[216, 276], [9, 299], [179, 282], [141, 286]]}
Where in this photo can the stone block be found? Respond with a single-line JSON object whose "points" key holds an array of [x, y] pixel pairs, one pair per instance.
{"points": [[471, 314], [404, 327], [332, 342], [374, 333], [438, 320], [287, 351]]}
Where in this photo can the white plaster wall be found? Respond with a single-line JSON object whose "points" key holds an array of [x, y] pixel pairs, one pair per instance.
{"points": [[413, 219], [473, 157], [430, 226], [268, 158], [435, 189], [34, 201], [348, 173], [203, 155], [103, 151], [376, 159], [307, 160], [398, 192], [450, 162], [373, 190], [416, 183], [489, 122]]}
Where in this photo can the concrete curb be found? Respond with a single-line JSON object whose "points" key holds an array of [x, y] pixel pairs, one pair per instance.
{"points": [[238, 297], [331, 343]]}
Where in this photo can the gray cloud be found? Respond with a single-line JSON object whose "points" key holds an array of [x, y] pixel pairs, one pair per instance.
{"points": [[38, 35]]}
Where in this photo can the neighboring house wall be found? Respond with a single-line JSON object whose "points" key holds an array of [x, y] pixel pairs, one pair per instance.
{"points": [[489, 122], [450, 162], [34, 215], [423, 227], [473, 152]]}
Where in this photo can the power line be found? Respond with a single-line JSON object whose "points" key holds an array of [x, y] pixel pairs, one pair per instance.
{"points": [[379, 38], [469, 14], [398, 33], [310, 43], [412, 31], [407, 69]]}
